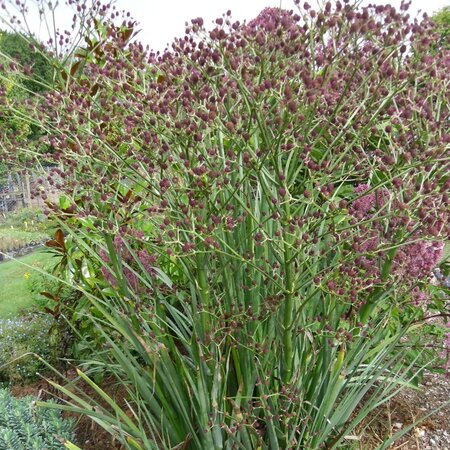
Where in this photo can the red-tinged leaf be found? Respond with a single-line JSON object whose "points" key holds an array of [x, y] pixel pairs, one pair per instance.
{"points": [[99, 55], [52, 243], [57, 243], [127, 33], [128, 195], [50, 296], [110, 30], [74, 68], [125, 198], [67, 212], [94, 90], [89, 42], [49, 311], [82, 53], [59, 237], [64, 75], [161, 79], [85, 83]]}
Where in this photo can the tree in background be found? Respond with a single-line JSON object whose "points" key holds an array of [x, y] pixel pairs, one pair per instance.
{"points": [[26, 72], [17, 48], [442, 20]]}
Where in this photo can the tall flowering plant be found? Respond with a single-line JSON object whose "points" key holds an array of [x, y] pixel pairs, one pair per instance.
{"points": [[245, 212]]}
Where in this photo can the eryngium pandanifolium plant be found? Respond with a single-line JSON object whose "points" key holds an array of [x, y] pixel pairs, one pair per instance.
{"points": [[249, 214]]}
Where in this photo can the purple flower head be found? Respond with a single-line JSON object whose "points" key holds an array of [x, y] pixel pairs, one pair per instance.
{"points": [[419, 259], [271, 17], [104, 256], [149, 262], [118, 242], [363, 205], [108, 276], [419, 297]]}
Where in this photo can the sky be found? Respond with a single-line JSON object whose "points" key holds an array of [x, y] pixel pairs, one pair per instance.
{"points": [[162, 20]]}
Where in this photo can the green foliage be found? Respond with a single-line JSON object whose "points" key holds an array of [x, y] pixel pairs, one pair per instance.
{"points": [[23, 426], [28, 335], [34, 297], [442, 20], [45, 289], [331, 385], [3, 172], [59, 301], [17, 47], [17, 50]]}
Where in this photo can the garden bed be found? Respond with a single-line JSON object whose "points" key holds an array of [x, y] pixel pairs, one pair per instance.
{"points": [[21, 232], [401, 411], [22, 251]]}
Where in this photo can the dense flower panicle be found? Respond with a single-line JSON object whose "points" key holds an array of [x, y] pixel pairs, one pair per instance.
{"points": [[415, 260], [270, 18], [410, 262], [419, 297], [109, 277], [419, 259], [366, 203], [183, 77]]}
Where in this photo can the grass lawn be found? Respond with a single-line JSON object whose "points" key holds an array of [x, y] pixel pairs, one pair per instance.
{"points": [[14, 294]]}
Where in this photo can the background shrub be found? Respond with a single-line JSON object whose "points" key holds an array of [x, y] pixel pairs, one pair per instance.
{"points": [[26, 227], [25, 219], [29, 333]]}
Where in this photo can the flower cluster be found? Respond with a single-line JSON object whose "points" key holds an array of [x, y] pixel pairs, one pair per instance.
{"points": [[129, 117], [186, 126], [379, 241]]}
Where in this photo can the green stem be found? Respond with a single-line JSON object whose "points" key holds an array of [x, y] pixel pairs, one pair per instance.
{"points": [[202, 280], [288, 304]]}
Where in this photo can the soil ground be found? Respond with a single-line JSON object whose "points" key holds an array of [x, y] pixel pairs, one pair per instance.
{"points": [[409, 406]]}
